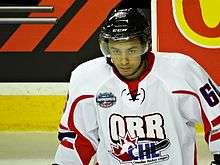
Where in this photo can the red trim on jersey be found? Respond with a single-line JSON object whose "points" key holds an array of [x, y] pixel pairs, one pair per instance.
{"points": [[207, 125], [67, 144], [216, 121], [195, 155], [215, 137], [82, 144], [133, 85], [62, 127]]}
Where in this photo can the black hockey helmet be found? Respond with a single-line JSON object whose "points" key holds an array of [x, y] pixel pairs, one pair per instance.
{"points": [[123, 24]]}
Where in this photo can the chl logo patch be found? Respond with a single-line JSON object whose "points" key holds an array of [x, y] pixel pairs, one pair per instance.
{"points": [[138, 139], [106, 99], [131, 150]]}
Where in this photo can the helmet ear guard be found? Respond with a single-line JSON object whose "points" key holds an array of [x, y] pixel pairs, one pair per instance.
{"points": [[103, 44], [123, 25]]}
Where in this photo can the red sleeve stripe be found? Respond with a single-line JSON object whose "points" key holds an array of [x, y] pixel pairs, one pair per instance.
{"points": [[195, 155], [82, 144], [207, 125], [215, 137], [62, 127], [67, 144], [216, 121]]}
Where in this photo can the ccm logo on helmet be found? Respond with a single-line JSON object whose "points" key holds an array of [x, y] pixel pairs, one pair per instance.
{"points": [[119, 30], [148, 127]]}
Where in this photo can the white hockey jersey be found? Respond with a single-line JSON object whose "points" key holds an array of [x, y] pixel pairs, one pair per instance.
{"points": [[104, 125]]}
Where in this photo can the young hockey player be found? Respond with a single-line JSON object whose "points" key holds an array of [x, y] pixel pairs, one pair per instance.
{"points": [[133, 106]]}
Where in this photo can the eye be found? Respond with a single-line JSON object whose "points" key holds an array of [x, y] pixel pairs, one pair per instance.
{"points": [[115, 51], [132, 51]]}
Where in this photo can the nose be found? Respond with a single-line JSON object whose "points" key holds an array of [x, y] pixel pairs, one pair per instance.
{"points": [[124, 59]]}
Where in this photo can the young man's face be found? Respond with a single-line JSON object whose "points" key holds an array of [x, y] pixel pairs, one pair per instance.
{"points": [[126, 56]]}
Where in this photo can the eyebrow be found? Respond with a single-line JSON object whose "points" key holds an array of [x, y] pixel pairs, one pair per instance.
{"points": [[133, 47]]}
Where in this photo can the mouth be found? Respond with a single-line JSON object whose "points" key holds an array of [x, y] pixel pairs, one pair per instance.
{"points": [[127, 68], [124, 69]]}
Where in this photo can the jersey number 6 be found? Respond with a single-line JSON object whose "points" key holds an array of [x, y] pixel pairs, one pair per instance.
{"points": [[210, 93]]}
